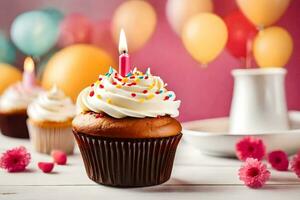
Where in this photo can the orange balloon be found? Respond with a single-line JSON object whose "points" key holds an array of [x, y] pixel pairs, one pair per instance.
{"points": [[8, 76], [138, 19], [204, 36], [75, 67], [263, 12], [272, 47]]}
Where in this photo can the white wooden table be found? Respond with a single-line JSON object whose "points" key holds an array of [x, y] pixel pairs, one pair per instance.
{"points": [[194, 176]]}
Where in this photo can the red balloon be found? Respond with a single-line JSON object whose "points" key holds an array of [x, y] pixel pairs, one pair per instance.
{"points": [[240, 31], [102, 37], [75, 28]]}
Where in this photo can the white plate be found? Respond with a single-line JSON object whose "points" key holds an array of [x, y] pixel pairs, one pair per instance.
{"points": [[211, 136]]}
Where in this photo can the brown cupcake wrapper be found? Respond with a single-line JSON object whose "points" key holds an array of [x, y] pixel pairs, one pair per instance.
{"points": [[44, 140], [127, 162], [14, 125]]}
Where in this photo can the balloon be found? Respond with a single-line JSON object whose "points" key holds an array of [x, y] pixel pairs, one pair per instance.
{"points": [[204, 36], [240, 31], [273, 47], [75, 67], [138, 19], [55, 14], [9, 75], [263, 12], [7, 50], [179, 11], [34, 33], [75, 28], [102, 37]]}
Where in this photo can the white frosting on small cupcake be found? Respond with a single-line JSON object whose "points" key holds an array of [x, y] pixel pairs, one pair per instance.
{"points": [[18, 97], [52, 106]]}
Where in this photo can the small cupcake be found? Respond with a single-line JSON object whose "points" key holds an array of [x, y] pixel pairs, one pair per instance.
{"points": [[13, 105], [49, 122], [126, 130]]}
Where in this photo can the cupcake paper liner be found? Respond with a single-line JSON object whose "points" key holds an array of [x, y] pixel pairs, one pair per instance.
{"points": [[127, 162], [14, 125], [44, 140]]}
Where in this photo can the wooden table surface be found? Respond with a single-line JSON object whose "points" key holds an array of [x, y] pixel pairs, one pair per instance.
{"points": [[194, 176]]}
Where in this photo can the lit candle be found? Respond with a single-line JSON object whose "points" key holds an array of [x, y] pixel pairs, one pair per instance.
{"points": [[28, 74], [124, 66]]}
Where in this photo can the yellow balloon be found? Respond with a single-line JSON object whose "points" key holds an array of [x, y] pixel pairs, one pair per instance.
{"points": [[138, 19], [204, 36], [272, 47], [263, 12], [179, 11], [8, 76], [75, 67]]}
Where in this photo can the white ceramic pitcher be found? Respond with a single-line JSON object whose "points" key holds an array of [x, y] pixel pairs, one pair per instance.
{"points": [[258, 103]]}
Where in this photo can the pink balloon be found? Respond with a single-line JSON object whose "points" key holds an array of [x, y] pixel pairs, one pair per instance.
{"points": [[74, 28], [102, 37]]}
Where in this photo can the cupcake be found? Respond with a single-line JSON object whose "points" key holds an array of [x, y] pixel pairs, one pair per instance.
{"points": [[126, 130], [49, 122], [13, 104]]}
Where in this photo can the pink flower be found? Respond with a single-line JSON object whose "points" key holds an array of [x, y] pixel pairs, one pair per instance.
{"points": [[15, 160], [295, 164], [279, 160], [254, 173], [250, 147]]}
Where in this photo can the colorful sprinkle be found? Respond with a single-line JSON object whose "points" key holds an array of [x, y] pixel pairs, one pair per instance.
{"points": [[92, 93], [129, 74], [141, 100], [108, 100], [151, 86], [137, 80], [170, 95], [114, 83], [99, 96], [124, 80], [145, 91], [146, 77], [101, 86], [141, 77], [111, 70], [132, 77], [100, 79], [150, 96], [118, 86], [166, 98], [133, 94], [92, 85]]}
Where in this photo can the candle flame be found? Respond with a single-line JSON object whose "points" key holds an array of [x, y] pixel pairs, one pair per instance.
{"points": [[28, 64], [122, 42]]}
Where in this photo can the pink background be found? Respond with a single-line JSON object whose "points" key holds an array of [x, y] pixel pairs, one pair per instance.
{"points": [[205, 93]]}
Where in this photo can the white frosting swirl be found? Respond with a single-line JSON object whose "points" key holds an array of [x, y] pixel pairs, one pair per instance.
{"points": [[136, 95], [18, 97], [52, 106]]}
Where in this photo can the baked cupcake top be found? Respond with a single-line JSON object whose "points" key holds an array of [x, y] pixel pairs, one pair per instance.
{"points": [[52, 106], [136, 95], [17, 97]]}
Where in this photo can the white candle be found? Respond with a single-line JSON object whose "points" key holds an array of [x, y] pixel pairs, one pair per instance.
{"points": [[28, 74]]}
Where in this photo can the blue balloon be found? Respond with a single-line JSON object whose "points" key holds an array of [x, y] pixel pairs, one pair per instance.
{"points": [[7, 50], [54, 13], [34, 33]]}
